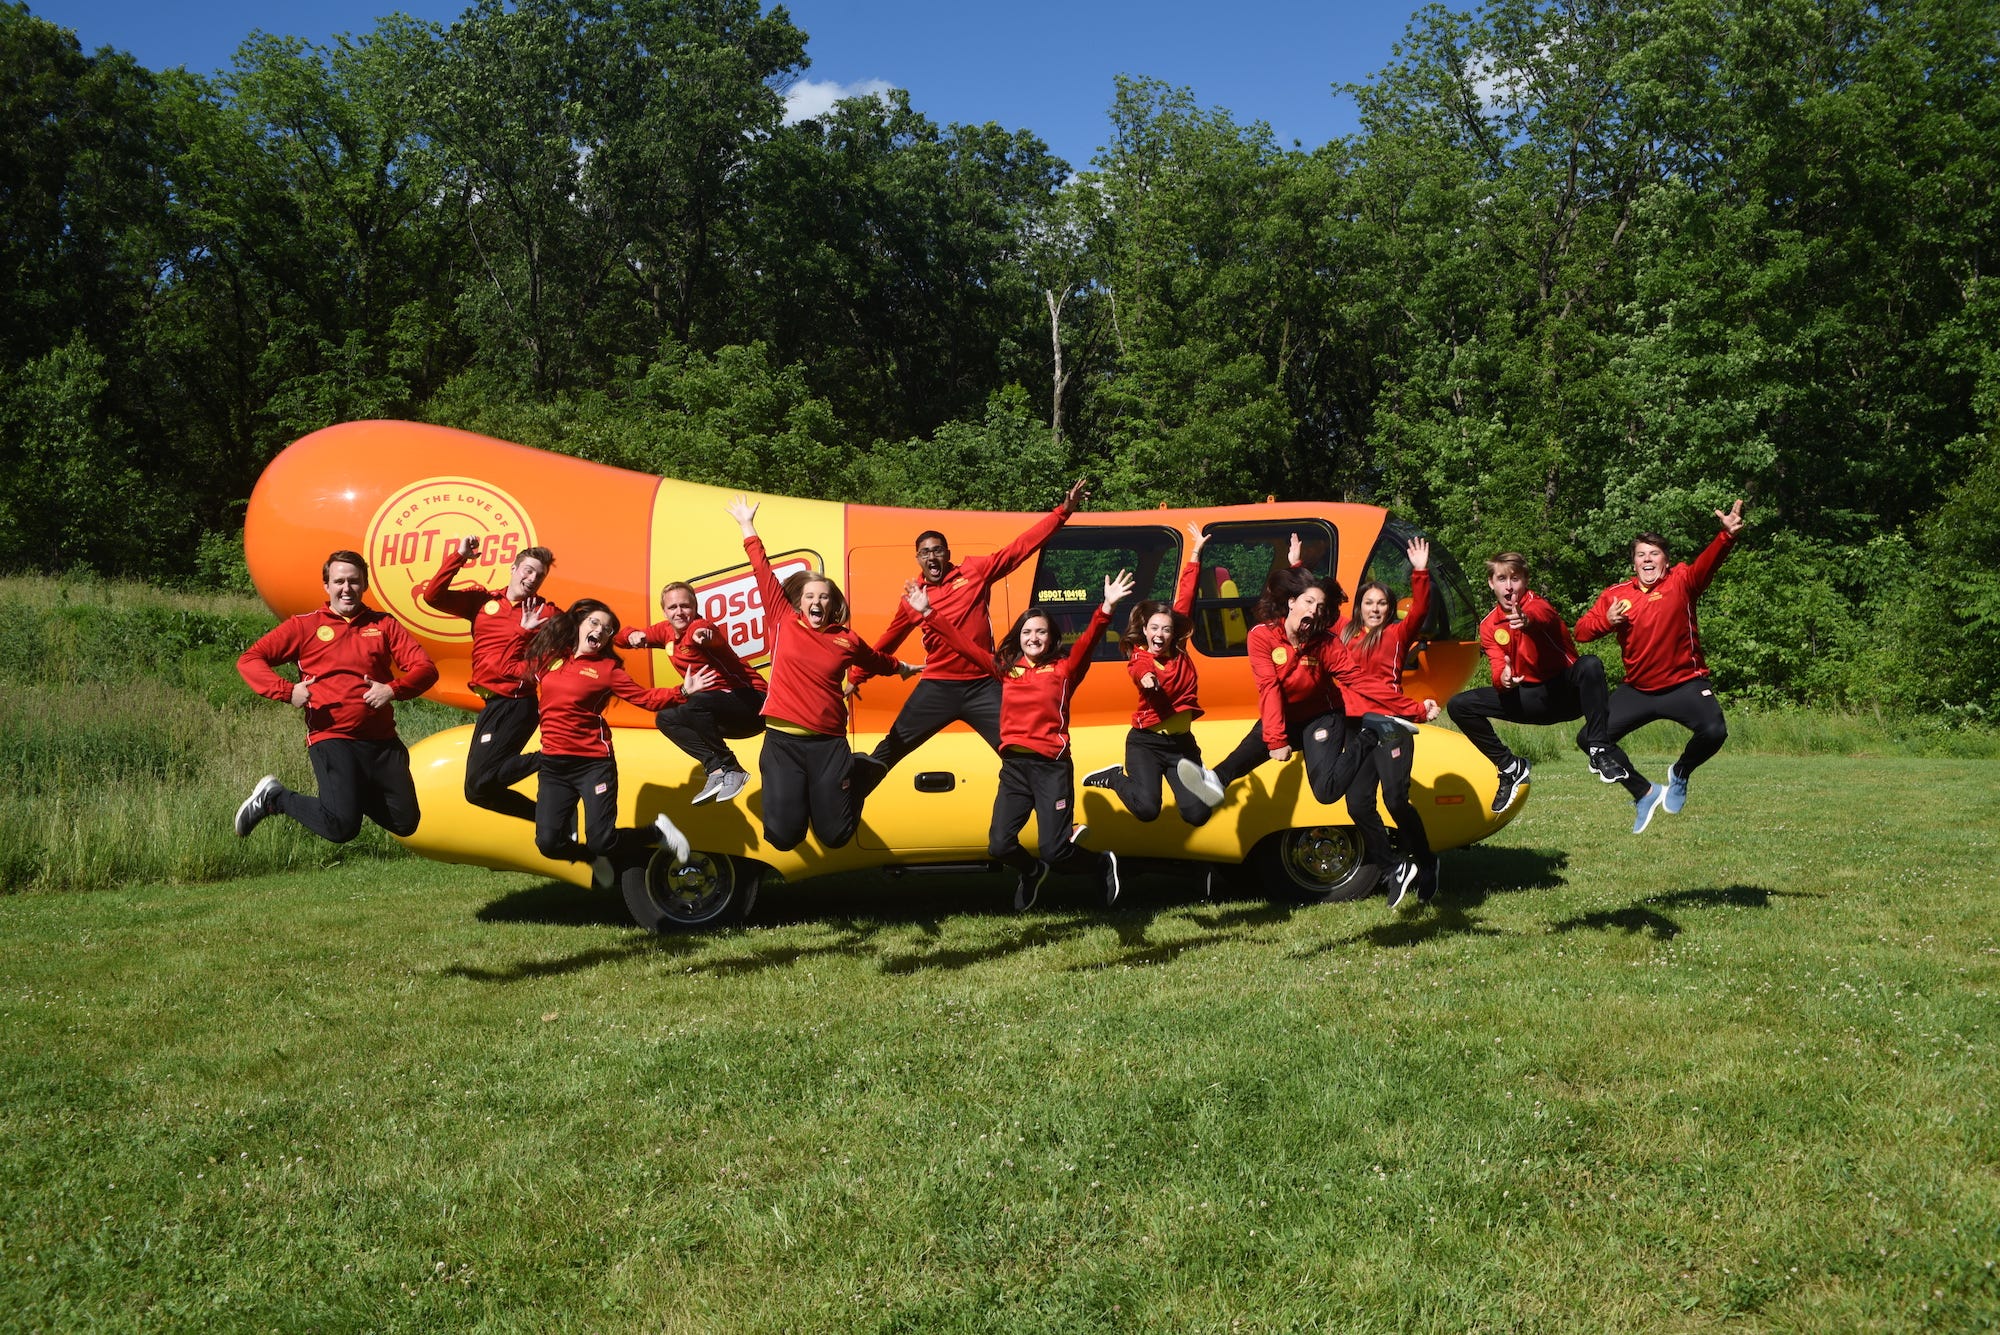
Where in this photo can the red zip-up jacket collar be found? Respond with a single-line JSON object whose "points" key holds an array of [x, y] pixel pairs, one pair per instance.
{"points": [[1378, 670], [808, 665], [572, 695], [1661, 642], [965, 599], [340, 656], [499, 643], [736, 674], [1034, 699]]}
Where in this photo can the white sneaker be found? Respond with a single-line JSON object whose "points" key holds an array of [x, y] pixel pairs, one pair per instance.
{"points": [[732, 784], [711, 789], [258, 805], [1201, 781], [671, 838]]}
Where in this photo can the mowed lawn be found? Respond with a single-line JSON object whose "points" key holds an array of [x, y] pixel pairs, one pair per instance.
{"points": [[1738, 1072]]}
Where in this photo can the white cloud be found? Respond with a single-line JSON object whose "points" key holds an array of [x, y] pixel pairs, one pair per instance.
{"points": [[808, 97]]}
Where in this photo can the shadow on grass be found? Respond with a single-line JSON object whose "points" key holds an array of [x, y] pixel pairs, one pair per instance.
{"points": [[558, 904], [1648, 916]]}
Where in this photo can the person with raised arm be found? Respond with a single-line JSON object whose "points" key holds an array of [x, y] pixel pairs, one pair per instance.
{"points": [[1666, 676], [952, 688], [503, 622], [804, 765], [1162, 734], [1037, 775], [577, 671], [734, 709], [1538, 679], [1378, 641], [354, 663]]}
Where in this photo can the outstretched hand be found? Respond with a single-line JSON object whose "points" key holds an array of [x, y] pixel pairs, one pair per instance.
{"points": [[744, 512], [1419, 552], [1200, 539], [1079, 493], [1732, 522], [916, 597], [468, 546], [703, 678], [1295, 552], [534, 611], [1117, 588]]}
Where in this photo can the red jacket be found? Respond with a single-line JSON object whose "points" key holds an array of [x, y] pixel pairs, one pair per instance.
{"points": [[1296, 683], [965, 600], [1662, 640], [574, 692], [1034, 701], [1538, 652], [498, 641], [808, 665], [736, 674], [342, 657], [1378, 671], [1175, 693]]}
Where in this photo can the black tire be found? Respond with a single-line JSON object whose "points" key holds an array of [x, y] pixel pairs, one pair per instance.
{"points": [[710, 890], [1320, 864]]}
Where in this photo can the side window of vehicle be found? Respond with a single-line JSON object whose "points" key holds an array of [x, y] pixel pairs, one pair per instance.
{"points": [[1453, 615], [1234, 566], [1074, 563]]}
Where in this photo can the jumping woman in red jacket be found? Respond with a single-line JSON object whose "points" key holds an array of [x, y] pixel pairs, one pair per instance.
{"points": [[1162, 732], [577, 674], [806, 755], [1036, 772], [1378, 642]]}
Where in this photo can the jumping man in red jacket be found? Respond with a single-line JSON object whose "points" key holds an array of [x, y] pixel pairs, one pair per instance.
{"points": [[353, 664], [1538, 678], [1653, 616], [952, 687]]}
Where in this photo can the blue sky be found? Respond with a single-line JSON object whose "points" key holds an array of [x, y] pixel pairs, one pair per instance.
{"points": [[1041, 65]]}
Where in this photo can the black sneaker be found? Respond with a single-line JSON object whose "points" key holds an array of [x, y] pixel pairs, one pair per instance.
{"points": [[258, 805], [1512, 775], [1107, 868], [1029, 887], [1609, 768], [1427, 878], [1103, 778], [1402, 885], [865, 774]]}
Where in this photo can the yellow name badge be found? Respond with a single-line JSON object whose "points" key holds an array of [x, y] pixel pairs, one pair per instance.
{"points": [[1279, 655], [554, 664], [492, 607], [325, 633], [1017, 671], [1502, 638], [587, 672]]}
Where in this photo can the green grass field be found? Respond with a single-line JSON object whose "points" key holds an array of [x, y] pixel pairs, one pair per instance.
{"points": [[1737, 1073]]}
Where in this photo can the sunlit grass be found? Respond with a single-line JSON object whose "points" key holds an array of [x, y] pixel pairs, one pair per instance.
{"points": [[1736, 1072]]}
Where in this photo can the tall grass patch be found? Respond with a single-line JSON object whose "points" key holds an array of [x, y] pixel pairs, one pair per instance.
{"points": [[127, 739]]}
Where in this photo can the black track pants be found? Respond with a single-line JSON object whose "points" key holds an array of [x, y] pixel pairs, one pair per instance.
{"points": [[355, 779]]}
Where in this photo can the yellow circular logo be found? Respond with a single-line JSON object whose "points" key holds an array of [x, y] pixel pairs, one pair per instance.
{"points": [[1622, 606], [419, 523], [1502, 638], [324, 632], [493, 604], [1279, 655]]}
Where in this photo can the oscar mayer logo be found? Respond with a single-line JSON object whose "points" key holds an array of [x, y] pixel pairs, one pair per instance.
{"points": [[729, 598], [418, 524]]}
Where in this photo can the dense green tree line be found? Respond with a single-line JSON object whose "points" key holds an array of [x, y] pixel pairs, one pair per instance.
{"points": [[1586, 268]]}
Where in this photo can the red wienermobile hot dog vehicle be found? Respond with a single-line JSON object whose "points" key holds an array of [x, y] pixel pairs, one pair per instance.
{"points": [[400, 492]]}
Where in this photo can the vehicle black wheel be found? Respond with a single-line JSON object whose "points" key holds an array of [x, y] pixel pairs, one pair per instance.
{"points": [[708, 890], [1322, 864]]}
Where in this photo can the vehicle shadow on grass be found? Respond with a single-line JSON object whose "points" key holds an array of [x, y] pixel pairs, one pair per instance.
{"points": [[1649, 915], [1468, 878]]}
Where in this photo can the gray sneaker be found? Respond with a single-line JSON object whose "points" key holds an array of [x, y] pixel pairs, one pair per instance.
{"points": [[258, 805], [1202, 782], [733, 781], [711, 789]]}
